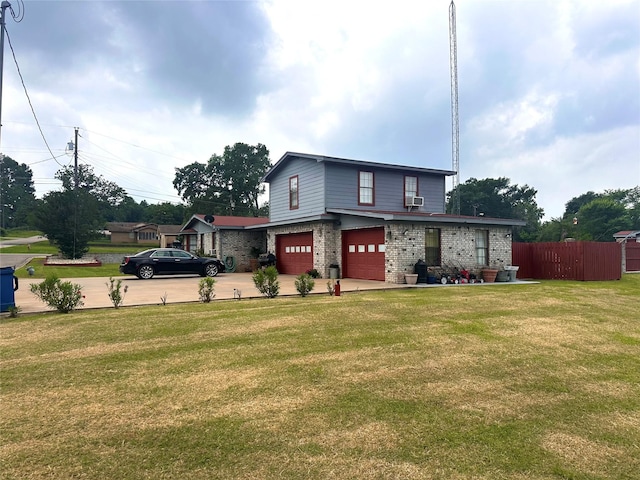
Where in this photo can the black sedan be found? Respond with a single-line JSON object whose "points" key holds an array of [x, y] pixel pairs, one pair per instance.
{"points": [[169, 261]]}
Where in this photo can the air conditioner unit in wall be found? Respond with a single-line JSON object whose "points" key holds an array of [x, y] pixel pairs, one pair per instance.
{"points": [[414, 201]]}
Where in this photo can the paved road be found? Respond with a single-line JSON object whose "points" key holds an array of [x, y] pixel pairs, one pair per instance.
{"points": [[21, 241], [16, 260]]}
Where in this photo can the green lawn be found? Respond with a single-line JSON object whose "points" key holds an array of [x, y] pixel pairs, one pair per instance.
{"points": [[45, 248], [511, 382], [67, 271]]}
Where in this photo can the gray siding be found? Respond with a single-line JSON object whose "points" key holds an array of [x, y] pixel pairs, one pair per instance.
{"points": [[342, 189], [311, 190]]}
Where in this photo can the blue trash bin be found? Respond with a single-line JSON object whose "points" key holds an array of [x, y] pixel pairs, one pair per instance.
{"points": [[8, 286]]}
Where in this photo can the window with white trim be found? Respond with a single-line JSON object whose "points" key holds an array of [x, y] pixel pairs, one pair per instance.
{"points": [[293, 192], [365, 188], [410, 188]]}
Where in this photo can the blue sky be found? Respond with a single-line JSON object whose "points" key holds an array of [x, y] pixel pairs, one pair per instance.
{"points": [[549, 91]]}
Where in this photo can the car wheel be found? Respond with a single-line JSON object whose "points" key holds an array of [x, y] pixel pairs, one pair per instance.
{"points": [[145, 272], [211, 270]]}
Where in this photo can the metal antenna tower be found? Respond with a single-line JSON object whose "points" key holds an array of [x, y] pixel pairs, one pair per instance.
{"points": [[455, 124]]}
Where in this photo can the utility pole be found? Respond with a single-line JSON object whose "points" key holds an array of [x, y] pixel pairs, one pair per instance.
{"points": [[75, 190], [3, 8], [75, 161]]}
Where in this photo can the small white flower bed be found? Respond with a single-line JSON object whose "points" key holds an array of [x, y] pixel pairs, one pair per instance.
{"points": [[85, 261]]}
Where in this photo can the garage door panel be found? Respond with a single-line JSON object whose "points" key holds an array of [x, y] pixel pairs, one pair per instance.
{"points": [[364, 253], [294, 253]]}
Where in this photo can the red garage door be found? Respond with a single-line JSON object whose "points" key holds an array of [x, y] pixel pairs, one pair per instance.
{"points": [[363, 253], [294, 253]]}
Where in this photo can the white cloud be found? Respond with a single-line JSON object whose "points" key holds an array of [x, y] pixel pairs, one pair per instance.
{"points": [[548, 89]]}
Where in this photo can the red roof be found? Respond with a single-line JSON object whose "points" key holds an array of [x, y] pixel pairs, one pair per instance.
{"points": [[627, 233], [232, 221]]}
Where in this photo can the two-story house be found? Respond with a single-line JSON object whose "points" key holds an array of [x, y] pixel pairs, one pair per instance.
{"points": [[374, 220]]}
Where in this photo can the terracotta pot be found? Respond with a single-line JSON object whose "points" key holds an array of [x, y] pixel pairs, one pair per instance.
{"points": [[253, 264], [489, 275]]}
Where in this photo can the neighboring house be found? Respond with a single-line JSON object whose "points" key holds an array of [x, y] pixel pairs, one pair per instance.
{"points": [[133, 232], [231, 239], [168, 235], [374, 220], [627, 236], [149, 234]]}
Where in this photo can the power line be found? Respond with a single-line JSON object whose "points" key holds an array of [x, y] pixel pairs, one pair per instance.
{"points": [[15, 60], [137, 146]]}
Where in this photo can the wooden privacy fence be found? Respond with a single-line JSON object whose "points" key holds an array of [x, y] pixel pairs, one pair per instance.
{"points": [[568, 260], [632, 250]]}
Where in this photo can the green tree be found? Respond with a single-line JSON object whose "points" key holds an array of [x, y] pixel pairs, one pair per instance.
{"points": [[69, 219], [576, 203], [497, 198], [129, 211], [592, 216], [108, 194], [17, 193], [599, 219], [229, 184], [165, 213], [630, 199]]}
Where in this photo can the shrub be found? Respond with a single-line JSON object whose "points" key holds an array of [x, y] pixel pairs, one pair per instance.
{"points": [[116, 293], [63, 296], [314, 273], [304, 284], [266, 281], [205, 289]]}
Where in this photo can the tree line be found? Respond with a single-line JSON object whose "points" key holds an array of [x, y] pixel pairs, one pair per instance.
{"points": [[229, 184], [590, 216]]}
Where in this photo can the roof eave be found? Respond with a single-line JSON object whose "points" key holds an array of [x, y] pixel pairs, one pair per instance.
{"points": [[431, 218], [346, 161]]}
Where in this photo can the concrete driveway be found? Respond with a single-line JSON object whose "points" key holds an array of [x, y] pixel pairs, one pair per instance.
{"points": [[179, 288]]}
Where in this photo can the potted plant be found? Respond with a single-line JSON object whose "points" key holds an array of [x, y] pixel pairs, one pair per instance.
{"points": [[489, 274], [253, 258], [411, 278]]}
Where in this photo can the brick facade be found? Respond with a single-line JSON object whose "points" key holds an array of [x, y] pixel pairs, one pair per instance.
{"points": [[239, 244], [327, 243], [405, 245]]}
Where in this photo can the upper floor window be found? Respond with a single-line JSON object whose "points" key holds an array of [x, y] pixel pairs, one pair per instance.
{"points": [[410, 187], [293, 192], [365, 188]]}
